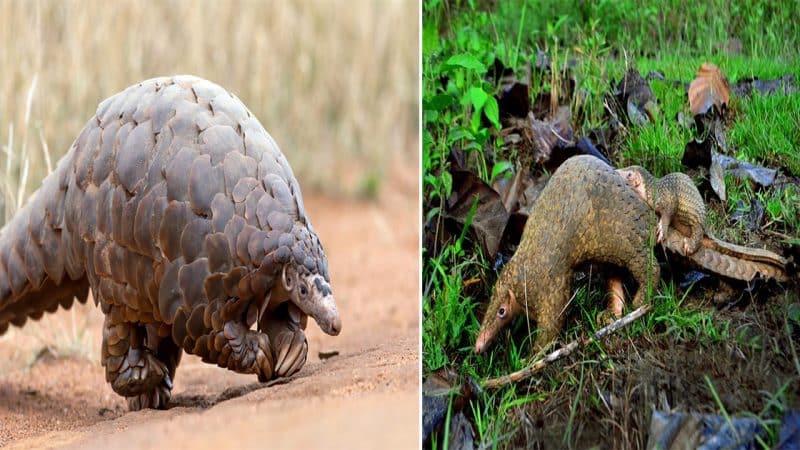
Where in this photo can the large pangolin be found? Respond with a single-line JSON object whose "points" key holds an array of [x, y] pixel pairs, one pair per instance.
{"points": [[181, 214]]}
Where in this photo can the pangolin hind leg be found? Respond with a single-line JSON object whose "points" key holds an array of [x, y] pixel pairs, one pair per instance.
{"points": [[616, 297], [133, 363], [647, 273], [287, 339], [692, 244], [159, 343]]}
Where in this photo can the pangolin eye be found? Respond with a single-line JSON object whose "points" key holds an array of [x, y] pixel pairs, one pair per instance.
{"points": [[303, 290]]}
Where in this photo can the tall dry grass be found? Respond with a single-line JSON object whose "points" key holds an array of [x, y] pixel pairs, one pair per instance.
{"points": [[334, 82]]}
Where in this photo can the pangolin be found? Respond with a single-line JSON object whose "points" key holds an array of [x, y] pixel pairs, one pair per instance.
{"points": [[676, 200], [183, 217], [680, 206], [586, 213]]}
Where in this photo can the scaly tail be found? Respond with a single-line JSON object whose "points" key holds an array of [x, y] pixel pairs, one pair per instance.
{"points": [[750, 254], [732, 261], [39, 268]]}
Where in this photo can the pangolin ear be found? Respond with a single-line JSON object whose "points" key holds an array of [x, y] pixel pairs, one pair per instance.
{"points": [[512, 297], [288, 283]]}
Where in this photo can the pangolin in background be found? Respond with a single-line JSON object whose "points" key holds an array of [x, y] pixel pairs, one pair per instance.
{"points": [[586, 213], [680, 206], [181, 214]]}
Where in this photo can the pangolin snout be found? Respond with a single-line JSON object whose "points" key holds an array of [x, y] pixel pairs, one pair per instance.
{"points": [[481, 343], [336, 327], [327, 316], [319, 303]]}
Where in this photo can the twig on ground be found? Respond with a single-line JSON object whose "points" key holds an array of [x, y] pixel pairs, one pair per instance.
{"points": [[783, 236], [527, 372]]}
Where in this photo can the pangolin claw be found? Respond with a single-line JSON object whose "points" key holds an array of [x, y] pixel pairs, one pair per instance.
{"points": [[293, 355], [143, 373]]}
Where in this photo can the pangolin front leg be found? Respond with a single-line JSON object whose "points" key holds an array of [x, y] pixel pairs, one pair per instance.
{"points": [[221, 336], [139, 363], [289, 345]]}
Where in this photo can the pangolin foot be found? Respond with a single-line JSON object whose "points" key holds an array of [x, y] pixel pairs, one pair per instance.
{"points": [[687, 247], [246, 351], [143, 378], [605, 318], [659, 233], [289, 347], [155, 399]]}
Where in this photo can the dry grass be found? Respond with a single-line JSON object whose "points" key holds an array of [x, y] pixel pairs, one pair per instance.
{"points": [[335, 83]]}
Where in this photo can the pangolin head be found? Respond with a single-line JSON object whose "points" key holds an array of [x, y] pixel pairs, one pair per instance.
{"points": [[502, 310], [640, 179], [311, 292], [304, 280]]}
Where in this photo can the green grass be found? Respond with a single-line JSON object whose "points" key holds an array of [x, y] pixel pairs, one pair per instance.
{"points": [[461, 39]]}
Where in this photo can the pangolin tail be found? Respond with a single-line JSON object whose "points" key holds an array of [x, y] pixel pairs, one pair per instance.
{"points": [[732, 261], [37, 265]]}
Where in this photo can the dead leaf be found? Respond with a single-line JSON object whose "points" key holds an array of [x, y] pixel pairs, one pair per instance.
{"points": [[722, 164], [509, 190], [635, 99], [697, 153], [784, 85], [717, 176], [462, 437], [748, 216], [514, 101], [490, 216], [536, 139], [586, 147], [437, 389], [745, 170], [708, 89], [435, 394]]}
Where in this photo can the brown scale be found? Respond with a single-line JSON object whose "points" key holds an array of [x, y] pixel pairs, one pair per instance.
{"points": [[586, 213], [181, 214]]}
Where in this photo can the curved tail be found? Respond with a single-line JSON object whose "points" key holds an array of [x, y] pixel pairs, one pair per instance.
{"points": [[38, 266], [732, 261]]}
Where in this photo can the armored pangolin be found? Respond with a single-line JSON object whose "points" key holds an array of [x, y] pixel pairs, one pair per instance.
{"points": [[182, 215], [678, 202], [586, 213]]}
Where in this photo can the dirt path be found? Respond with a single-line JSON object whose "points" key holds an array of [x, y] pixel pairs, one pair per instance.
{"points": [[366, 396]]}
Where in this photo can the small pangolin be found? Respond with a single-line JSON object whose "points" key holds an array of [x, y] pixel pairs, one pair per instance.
{"points": [[680, 206], [181, 214], [586, 213], [676, 200]]}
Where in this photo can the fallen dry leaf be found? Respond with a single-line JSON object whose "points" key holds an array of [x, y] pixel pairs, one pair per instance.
{"points": [[536, 139], [784, 85], [709, 88], [490, 216], [635, 97]]}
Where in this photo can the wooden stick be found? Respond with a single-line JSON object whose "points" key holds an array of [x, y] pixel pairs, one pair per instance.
{"points": [[527, 372]]}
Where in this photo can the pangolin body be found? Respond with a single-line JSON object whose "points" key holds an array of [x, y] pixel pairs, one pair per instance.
{"points": [[586, 213], [678, 202], [181, 214]]}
